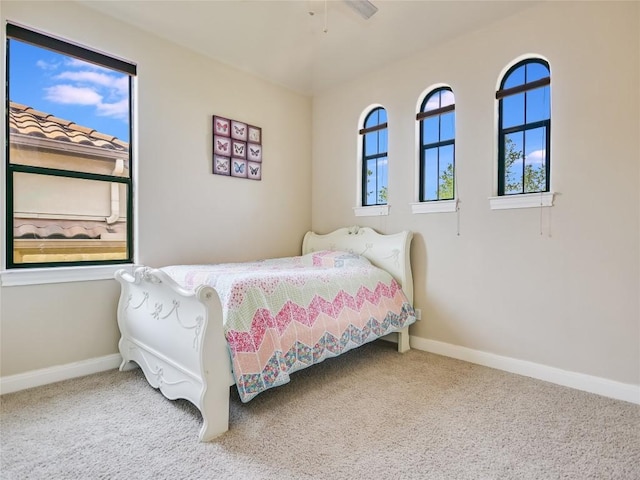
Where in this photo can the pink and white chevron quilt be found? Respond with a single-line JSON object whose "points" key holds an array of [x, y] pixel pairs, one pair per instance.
{"points": [[283, 315]]}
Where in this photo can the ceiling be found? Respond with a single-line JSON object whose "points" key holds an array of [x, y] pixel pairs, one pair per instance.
{"points": [[281, 42]]}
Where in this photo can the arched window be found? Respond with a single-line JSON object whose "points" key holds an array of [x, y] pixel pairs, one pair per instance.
{"points": [[374, 158], [524, 128], [437, 145]]}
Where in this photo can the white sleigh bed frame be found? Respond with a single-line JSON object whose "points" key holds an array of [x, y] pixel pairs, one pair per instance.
{"points": [[176, 336]]}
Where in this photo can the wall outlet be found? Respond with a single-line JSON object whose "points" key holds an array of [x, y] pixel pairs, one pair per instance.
{"points": [[418, 314]]}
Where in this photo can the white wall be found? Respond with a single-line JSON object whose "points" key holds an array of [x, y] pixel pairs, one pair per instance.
{"points": [[185, 214], [567, 298]]}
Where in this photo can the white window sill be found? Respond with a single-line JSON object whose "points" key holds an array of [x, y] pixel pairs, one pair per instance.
{"points": [[436, 206], [527, 200], [371, 211], [38, 276]]}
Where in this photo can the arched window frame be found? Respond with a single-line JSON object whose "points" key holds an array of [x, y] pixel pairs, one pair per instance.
{"points": [[524, 89], [441, 143], [380, 154], [440, 204]]}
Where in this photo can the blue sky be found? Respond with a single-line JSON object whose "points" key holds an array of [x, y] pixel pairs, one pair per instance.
{"points": [[71, 89]]}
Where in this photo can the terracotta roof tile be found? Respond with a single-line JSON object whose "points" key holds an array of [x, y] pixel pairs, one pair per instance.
{"points": [[61, 121], [41, 228], [28, 121]]}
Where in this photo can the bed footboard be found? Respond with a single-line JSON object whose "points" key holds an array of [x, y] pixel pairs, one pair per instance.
{"points": [[176, 337]]}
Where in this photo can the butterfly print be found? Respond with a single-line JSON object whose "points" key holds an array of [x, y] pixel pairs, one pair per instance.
{"points": [[255, 151], [222, 166], [239, 149], [222, 145], [238, 130], [254, 170], [238, 167], [222, 126]]}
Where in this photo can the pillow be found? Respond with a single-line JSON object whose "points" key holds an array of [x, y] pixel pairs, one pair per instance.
{"points": [[330, 258]]}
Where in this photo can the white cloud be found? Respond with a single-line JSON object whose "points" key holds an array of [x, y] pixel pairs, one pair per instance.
{"points": [[96, 78], [447, 98], [536, 157], [86, 84], [108, 93], [432, 104], [118, 109], [70, 94], [46, 65]]}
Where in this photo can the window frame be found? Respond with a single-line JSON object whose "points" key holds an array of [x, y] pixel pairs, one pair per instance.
{"points": [[96, 269], [365, 158], [502, 93], [420, 117]]}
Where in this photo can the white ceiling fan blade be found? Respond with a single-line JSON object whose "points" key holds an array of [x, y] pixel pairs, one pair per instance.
{"points": [[365, 8]]}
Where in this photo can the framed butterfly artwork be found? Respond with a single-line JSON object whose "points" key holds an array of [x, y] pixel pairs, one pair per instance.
{"points": [[222, 146], [254, 152], [254, 171], [221, 165], [237, 148], [254, 134], [239, 130], [221, 126], [238, 168]]}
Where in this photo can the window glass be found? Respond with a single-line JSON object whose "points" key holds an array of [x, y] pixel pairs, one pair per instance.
{"points": [[446, 98], [538, 104], [374, 161], [437, 145], [534, 160], [536, 71], [445, 172], [68, 192], [513, 110], [447, 126], [524, 129], [515, 78], [430, 178], [513, 162], [431, 130]]}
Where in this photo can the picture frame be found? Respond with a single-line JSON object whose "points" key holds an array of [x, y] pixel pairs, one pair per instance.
{"points": [[221, 126], [254, 171], [222, 146], [221, 165], [239, 168], [254, 152], [254, 134], [238, 130], [239, 149]]}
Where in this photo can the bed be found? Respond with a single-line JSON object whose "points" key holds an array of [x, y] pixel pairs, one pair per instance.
{"points": [[197, 330]]}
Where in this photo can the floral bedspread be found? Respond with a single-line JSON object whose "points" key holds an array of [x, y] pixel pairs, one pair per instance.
{"points": [[283, 315]]}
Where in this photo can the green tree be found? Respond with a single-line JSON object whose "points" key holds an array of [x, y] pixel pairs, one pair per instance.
{"points": [[382, 193], [445, 186], [534, 177]]}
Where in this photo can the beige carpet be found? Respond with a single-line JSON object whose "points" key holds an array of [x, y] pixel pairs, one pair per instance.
{"points": [[372, 414]]}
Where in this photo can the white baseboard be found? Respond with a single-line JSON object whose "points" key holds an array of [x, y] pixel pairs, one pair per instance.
{"points": [[588, 383], [44, 376]]}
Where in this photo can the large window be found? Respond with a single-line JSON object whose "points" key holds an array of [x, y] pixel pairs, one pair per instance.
{"points": [[437, 145], [374, 158], [524, 123], [68, 168]]}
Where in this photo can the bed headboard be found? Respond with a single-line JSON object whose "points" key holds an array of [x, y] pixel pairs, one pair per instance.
{"points": [[389, 252]]}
